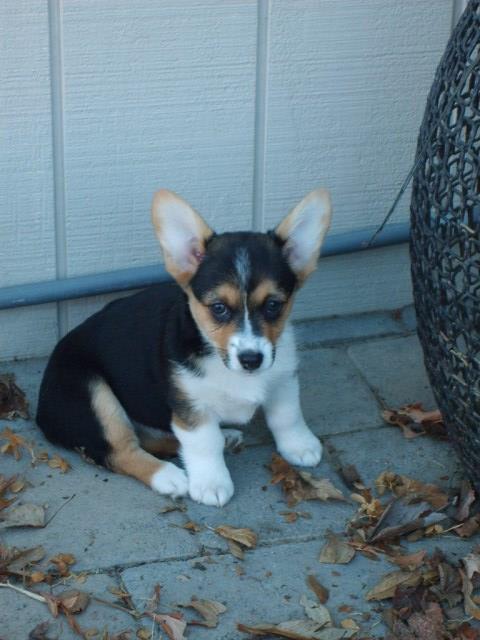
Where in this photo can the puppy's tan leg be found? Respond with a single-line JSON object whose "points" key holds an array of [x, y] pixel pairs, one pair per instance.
{"points": [[126, 454], [160, 443]]}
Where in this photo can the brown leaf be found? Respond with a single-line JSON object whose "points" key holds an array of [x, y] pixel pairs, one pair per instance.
{"points": [[336, 551], [320, 488], [469, 527], [401, 517], [387, 586], [14, 443], [348, 623], [318, 589], [245, 537], [173, 626], [316, 612], [467, 496], [17, 485], [472, 566], [404, 486], [350, 476], [236, 549], [66, 558], [37, 576], [296, 630], [25, 515], [13, 402], [191, 526], [209, 610], [410, 561], [301, 485], [415, 421], [16, 561], [63, 561], [73, 601], [56, 462], [173, 506]]}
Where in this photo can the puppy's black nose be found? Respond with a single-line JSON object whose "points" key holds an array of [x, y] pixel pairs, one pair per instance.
{"points": [[250, 360]]}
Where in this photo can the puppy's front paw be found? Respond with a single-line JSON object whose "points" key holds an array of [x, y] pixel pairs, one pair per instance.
{"points": [[214, 488], [170, 480], [303, 450]]}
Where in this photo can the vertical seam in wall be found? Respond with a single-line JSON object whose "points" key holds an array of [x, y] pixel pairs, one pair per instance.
{"points": [[261, 99], [55, 11]]}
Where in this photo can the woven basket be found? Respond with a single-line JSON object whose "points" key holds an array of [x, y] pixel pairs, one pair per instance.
{"points": [[445, 238]]}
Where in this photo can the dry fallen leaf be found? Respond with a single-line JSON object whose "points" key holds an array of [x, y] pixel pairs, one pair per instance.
{"points": [[296, 630], [15, 561], [336, 551], [209, 610], [466, 498], [243, 536], [73, 601], [191, 526], [56, 462], [173, 506], [37, 576], [410, 561], [415, 421], [316, 611], [318, 589], [301, 485], [25, 515], [388, 584], [404, 486], [172, 625], [63, 562], [14, 443], [13, 402], [472, 566], [348, 623]]}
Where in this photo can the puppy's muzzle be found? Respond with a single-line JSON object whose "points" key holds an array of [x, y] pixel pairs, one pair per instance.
{"points": [[250, 360]]}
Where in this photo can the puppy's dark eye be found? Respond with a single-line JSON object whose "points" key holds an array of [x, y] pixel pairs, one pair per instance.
{"points": [[220, 311], [272, 308]]}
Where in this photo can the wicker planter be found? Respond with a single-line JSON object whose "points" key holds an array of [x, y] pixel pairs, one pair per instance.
{"points": [[445, 238]]}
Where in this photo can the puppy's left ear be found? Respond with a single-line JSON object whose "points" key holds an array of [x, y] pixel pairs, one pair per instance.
{"points": [[303, 232], [182, 234]]}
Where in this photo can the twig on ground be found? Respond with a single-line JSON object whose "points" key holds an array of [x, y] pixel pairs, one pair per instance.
{"points": [[30, 594]]}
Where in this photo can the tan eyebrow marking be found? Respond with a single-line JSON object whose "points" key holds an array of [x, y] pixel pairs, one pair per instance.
{"points": [[227, 293], [263, 290]]}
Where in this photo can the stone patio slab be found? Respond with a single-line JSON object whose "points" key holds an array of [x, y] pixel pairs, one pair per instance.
{"points": [[373, 452], [394, 369]]}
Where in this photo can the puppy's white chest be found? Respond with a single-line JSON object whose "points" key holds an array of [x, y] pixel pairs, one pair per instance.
{"points": [[230, 396]]}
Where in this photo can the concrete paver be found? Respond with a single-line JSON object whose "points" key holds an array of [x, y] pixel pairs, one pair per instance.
{"points": [[394, 369]]}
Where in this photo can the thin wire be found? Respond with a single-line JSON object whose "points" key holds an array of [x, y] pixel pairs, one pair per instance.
{"points": [[420, 157]]}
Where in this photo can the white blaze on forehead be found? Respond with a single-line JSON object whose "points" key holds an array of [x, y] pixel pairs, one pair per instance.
{"points": [[242, 266]]}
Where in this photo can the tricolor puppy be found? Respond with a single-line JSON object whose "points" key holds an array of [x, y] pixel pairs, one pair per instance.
{"points": [[192, 357]]}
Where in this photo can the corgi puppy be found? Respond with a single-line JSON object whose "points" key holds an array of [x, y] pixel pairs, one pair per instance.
{"points": [[189, 356]]}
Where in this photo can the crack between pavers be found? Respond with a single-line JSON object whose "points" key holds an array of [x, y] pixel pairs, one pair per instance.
{"points": [[118, 569], [353, 340]]}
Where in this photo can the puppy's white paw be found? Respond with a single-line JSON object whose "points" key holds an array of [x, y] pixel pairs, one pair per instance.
{"points": [[170, 480], [233, 439], [214, 488], [303, 450]]}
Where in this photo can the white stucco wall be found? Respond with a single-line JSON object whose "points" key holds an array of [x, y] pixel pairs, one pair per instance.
{"points": [[241, 107]]}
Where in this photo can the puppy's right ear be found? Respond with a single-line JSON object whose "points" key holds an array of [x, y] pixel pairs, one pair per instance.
{"points": [[182, 234]]}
